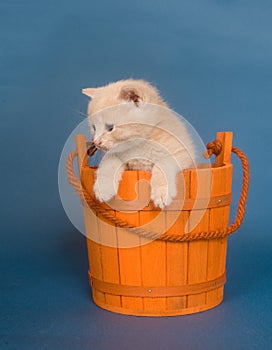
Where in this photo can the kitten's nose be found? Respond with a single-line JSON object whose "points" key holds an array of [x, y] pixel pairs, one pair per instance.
{"points": [[97, 143]]}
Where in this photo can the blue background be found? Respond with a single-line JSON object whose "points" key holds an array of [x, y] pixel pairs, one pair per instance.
{"points": [[212, 62]]}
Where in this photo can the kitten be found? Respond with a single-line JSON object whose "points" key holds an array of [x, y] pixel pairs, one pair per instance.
{"points": [[137, 130]]}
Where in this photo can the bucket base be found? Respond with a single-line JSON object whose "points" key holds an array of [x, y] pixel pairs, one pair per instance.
{"points": [[158, 301], [156, 313]]}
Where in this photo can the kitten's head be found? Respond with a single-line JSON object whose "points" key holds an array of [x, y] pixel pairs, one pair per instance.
{"points": [[115, 111]]}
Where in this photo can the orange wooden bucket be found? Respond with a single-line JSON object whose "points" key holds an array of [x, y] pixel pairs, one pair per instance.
{"points": [[178, 273]]}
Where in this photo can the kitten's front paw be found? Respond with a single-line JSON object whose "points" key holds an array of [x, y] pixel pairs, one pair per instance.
{"points": [[104, 191], [162, 196]]}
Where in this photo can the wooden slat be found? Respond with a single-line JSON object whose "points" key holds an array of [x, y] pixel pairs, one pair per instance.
{"points": [[94, 249], [109, 258], [90, 219], [154, 271], [153, 254], [103, 244], [129, 244], [177, 253], [81, 151], [219, 217], [225, 155], [197, 250]]}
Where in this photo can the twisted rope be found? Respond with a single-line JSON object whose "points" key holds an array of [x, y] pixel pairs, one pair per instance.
{"points": [[212, 148]]}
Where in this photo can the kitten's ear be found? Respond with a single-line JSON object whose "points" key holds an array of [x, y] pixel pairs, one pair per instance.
{"points": [[90, 92], [130, 94]]}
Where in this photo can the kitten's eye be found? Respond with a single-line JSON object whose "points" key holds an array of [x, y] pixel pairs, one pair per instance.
{"points": [[94, 128], [109, 127]]}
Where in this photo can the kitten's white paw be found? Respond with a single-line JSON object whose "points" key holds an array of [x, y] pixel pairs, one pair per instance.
{"points": [[162, 196], [104, 191]]}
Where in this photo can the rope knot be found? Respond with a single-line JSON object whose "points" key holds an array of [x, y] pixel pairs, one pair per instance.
{"points": [[213, 147]]}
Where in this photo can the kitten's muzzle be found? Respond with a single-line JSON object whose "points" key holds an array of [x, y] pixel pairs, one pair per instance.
{"points": [[99, 145]]}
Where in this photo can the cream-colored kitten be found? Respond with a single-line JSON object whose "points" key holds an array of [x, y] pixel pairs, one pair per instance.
{"points": [[137, 130]]}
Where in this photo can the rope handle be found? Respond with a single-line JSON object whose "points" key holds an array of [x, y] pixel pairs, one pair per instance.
{"points": [[212, 148]]}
